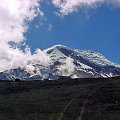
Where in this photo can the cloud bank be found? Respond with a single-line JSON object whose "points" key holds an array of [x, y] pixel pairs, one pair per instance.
{"points": [[66, 7], [15, 14], [67, 68]]}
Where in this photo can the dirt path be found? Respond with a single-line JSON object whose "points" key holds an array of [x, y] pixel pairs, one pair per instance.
{"points": [[84, 106], [66, 107], [82, 109], [62, 113]]}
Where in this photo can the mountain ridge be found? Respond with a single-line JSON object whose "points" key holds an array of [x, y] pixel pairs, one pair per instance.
{"points": [[65, 61]]}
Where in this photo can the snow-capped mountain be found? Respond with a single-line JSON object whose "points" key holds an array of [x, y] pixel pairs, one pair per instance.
{"points": [[65, 61]]}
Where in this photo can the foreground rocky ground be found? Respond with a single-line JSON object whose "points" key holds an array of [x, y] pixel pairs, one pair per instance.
{"points": [[78, 99]]}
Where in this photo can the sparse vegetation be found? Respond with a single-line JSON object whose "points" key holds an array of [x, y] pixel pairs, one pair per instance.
{"points": [[47, 100]]}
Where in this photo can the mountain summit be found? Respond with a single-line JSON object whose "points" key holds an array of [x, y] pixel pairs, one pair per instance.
{"points": [[65, 61]]}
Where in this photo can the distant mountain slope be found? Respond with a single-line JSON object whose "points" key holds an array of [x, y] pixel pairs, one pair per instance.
{"points": [[65, 61]]}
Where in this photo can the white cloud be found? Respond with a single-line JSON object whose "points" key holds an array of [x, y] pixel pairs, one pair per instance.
{"points": [[68, 6], [115, 3], [50, 27], [67, 68], [14, 15], [14, 57]]}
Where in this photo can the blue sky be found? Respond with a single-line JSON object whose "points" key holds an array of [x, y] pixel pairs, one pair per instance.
{"points": [[96, 29], [29, 26]]}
